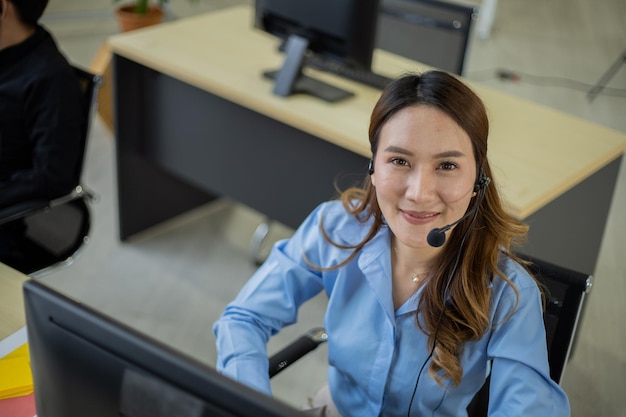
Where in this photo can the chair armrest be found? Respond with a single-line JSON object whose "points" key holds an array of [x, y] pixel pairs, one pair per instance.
{"points": [[297, 349], [26, 208], [21, 210]]}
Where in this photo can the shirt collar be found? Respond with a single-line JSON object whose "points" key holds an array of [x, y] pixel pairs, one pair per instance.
{"points": [[12, 54]]}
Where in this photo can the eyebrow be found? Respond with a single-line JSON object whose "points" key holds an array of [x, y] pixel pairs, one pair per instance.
{"points": [[397, 149], [445, 154]]}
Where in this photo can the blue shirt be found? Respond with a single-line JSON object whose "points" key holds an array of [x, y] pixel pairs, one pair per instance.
{"points": [[375, 352]]}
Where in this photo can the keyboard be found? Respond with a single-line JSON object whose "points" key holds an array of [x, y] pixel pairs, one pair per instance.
{"points": [[365, 77]]}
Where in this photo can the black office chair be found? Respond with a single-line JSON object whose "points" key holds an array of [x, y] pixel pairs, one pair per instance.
{"points": [[566, 291], [57, 229]]}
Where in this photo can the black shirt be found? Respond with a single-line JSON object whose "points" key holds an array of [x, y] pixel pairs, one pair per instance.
{"points": [[40, 121]]}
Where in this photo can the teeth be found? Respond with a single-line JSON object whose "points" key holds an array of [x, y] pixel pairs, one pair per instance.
{"points": [[424, 217]]}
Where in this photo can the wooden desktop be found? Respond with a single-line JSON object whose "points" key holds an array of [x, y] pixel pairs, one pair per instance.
{"points": [[12, 317], [196, 120]]}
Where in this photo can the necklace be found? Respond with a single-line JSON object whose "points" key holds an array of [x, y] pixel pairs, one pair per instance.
{"points": [[415, 277]]}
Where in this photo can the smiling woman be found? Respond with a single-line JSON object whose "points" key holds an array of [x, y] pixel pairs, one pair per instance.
{"points": [[398, 302]]}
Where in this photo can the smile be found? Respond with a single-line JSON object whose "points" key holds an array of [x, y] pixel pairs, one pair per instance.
{"points": [[418, 217]]}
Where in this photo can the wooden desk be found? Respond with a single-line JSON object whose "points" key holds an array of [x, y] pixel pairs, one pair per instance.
{"points": [[12, 316], [195, 120]]}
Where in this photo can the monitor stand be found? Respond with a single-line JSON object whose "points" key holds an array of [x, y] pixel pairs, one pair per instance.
{"points": [[290, 79]]}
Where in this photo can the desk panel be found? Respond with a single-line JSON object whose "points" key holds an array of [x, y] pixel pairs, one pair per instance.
{"points": [[221, 148], [568, 231]]}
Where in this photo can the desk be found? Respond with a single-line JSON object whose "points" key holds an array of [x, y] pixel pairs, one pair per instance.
{"points": [[12, 317], [195, 120]]}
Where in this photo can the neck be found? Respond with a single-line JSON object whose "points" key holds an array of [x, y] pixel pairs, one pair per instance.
{"points": [[410, 268], [13, 33], [408, 261]]}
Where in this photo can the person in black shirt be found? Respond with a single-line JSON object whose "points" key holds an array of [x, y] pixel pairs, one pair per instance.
{"points": [[40, 113]]}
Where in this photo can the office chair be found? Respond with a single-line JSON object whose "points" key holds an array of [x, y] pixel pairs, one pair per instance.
{"points": [[565, 291], [433, 32], [56, 229]]}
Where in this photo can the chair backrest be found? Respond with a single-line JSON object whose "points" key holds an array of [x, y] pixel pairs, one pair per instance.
{"points": [[565, 299], [89, 85], [433, 32]]}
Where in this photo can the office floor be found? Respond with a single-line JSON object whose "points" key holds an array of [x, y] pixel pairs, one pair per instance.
{"points": [[174, 280]]}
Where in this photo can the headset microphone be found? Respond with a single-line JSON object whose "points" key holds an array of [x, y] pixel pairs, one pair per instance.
{"points": [[437, 237]]}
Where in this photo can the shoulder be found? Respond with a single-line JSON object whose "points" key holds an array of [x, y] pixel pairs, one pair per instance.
{"points": [[45, 61], [518, 276], [328, 232], [514, 270], [520, 294], [340, 225]]}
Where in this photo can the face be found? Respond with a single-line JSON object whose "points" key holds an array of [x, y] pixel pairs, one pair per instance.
{"points": [[424, 173]]}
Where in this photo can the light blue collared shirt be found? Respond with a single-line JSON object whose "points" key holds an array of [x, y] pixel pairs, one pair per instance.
{"points": [[375, 352]]}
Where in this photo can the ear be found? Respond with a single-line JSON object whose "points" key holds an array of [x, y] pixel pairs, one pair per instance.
{"points": [[370, 172], [4, 8]]}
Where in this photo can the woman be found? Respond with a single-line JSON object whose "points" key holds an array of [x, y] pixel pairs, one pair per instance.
{"points": [[418, 312]]}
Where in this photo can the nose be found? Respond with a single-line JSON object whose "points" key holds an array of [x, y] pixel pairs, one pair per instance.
{"points": [[420, 185]]}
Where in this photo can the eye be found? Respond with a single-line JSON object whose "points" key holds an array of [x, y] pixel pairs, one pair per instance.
{"points": [[399, 161], [447, 166]]}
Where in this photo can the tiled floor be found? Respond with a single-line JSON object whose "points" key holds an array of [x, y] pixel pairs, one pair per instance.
{"points": [[174, 280]]}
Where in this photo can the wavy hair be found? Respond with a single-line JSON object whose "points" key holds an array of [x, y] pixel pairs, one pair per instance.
{"points": [[455, 312]]}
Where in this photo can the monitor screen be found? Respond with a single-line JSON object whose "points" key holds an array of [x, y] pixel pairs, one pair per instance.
{"points": [[342, 30], [87, 364]]}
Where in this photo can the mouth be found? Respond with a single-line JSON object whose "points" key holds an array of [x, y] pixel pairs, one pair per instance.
{"points": [[419, 217]]}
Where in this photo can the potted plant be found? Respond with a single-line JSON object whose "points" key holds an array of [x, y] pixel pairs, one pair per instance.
{"points": [[139, 13]]}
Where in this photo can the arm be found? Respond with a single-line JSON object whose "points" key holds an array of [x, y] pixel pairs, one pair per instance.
{"points": [[268, 302], [520, 377]]}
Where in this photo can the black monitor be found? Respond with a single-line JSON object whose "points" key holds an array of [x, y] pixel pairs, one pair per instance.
{"points": [[87, 364], [433, 32], [342, 30]]}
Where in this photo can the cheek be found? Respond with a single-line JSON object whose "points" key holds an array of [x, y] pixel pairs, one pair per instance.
{"points": [[457, 193], [386, 184]]}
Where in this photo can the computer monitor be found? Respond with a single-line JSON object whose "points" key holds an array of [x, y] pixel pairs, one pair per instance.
{"points": [[433, 32], [342, 30], [85, 363]]}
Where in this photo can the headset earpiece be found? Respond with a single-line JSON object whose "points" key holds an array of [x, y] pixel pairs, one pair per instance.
{"points": [[370, 167], [482, 183]]}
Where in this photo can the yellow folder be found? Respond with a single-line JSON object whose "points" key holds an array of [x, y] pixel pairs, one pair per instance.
{"points": [[16, 378]]}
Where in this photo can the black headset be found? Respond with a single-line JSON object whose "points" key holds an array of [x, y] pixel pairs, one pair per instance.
{"points": [[482, 182]]}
